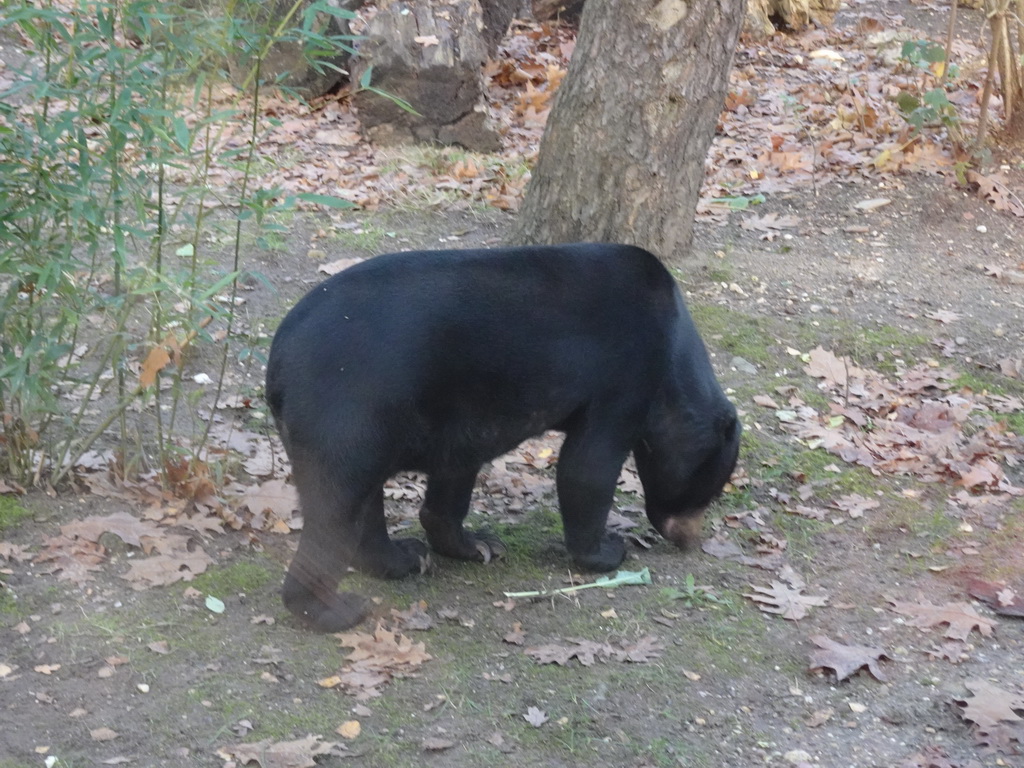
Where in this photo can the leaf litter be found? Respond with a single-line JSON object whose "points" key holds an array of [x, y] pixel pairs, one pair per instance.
{"points": [[914, 425], [587, 652], [375, 660]]}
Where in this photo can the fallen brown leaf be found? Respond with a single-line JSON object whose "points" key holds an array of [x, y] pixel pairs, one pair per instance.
{"points": [[990, 705], [961, 618], [782, 600], [845, 660], [998, 596], [299, 753]]}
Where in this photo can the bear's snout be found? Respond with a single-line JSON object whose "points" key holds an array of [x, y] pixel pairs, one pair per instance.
{"points": [[684, 530]]}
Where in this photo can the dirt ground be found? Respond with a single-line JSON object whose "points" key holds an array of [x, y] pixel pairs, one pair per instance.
{"points": [[99, 673]]}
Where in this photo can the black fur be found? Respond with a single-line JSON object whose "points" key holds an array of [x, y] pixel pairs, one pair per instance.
{"points": [[441, 361]]}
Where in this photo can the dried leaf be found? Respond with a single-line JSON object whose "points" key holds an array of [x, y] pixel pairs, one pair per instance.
{"points": [[835, 371], [784, 601], [855, 504], [157, 359], [517, 636], [997, 596], [961, 618], [350, 729], [299, 753], [990, 705], [415, 618], [845, 660], [129, 529], [161, 570], [277, 496], [721, 547], [587, 652], [943, 316], [535, 717]]}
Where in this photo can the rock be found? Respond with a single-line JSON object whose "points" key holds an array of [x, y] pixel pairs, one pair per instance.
{"points": [[285, 59]]}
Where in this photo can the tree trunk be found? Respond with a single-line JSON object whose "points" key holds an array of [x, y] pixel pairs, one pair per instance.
{"points": [[563, 10], [622, 158], [429, 53]]}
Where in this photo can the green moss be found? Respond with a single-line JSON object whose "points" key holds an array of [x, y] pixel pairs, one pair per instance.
{"points": [[11, 513], [8, 603], [238, 578], [1014, 422], [878, 346], [988, 382], [737, 333], [321, 712]]}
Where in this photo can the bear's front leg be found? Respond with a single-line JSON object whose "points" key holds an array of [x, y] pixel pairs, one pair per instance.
{"points": [[374, 552], [588, 471], [443, 512]]}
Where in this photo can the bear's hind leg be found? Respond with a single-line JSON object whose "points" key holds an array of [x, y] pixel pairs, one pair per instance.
{"points": [[310, 585], [442, 514]]}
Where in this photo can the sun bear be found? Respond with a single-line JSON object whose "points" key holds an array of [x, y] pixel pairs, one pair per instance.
{"points": [[439, 361]]}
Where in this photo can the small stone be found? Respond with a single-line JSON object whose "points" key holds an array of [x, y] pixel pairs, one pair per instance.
{"points": [[796, 756], [982, 228], [743, 366], [143, 687]]}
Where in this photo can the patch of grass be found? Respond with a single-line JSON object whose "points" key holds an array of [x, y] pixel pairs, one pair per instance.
{"points": [[11, 513], [800, 532], [238, 578], [370, 237], [319, 713], [692, 595], [737, 333], [730, 643], [672, 753], [987, 382], [864, 344], [8, 606], [1014, 422]]}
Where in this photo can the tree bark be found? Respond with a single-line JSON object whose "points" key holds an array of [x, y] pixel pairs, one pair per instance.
{"points": [[563, 10], [622, 158]]}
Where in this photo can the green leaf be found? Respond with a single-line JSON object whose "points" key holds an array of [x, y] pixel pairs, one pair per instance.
{"points": [[907, 102], [181, 133], [739, 202], [936, 97], [186, 251], [364, 80], [214, 604], [933, 53]]}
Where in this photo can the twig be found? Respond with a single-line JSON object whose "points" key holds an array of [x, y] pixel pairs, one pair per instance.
{"points": [[622, 578], [949, 41]]}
